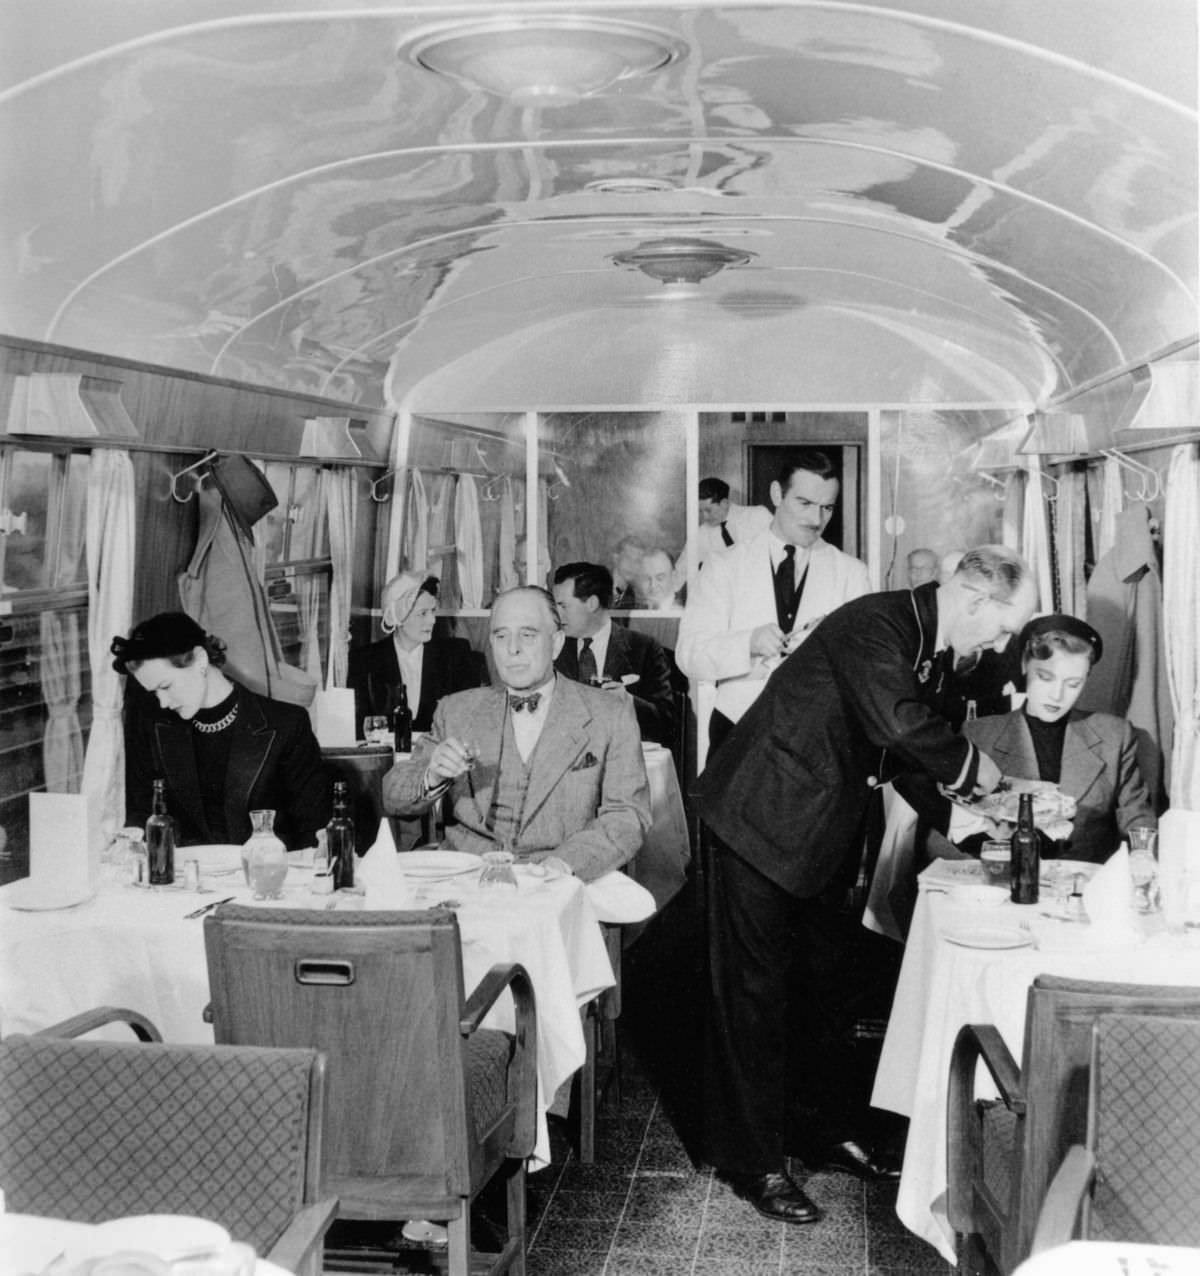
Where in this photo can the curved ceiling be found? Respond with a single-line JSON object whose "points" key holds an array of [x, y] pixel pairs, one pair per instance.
{"points": [[976, 203]]}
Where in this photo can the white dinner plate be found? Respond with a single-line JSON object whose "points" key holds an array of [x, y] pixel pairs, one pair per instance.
{"points": [[45, 897], [213, 857], [989, 937], [435, 864], [978, 895], [166, 1236], [1068, 868]]}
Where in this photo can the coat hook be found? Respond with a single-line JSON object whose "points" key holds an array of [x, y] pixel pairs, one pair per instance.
{"points": [[207, 459], [383, 478]]}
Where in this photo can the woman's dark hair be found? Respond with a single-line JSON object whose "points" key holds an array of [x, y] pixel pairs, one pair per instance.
{"points": [[172, 636], [1044, 635]]}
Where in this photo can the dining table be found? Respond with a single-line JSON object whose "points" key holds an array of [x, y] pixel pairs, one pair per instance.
{"points": [[974, 963], [142, 948]]}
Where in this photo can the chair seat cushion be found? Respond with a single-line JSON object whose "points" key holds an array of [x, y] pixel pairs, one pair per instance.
{"points": [[489, 1053], [999, 1136]]}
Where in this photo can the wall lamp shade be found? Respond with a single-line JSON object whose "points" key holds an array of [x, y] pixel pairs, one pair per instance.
{"points": [[681, 261], [544, 61]]}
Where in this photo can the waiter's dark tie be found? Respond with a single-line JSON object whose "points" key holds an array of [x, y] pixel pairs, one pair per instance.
{"points": [[785, 589], [725, 536], [587, 662]]}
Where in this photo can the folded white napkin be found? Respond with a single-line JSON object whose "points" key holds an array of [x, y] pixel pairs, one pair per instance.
{"points": [[378, 872], [1178, 863], [1108, 900], [618, 898]]}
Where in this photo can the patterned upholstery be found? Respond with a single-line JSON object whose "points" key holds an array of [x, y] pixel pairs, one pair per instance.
{"points": [[1146, 1130], [999, 1145], [488, 1055], [95, 1130]]}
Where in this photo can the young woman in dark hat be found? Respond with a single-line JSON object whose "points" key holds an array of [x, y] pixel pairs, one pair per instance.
{"points": [[223, 750], [1090, 756]]}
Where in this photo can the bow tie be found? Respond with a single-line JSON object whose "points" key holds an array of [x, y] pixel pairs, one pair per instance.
{"points": [[530, 702]]}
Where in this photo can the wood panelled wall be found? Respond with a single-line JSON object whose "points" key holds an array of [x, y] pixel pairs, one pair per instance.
{"points": [[180, 416]]}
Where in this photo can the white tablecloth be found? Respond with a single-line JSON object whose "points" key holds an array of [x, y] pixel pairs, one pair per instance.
{"points": [[132, 947], [943, 986], [29, 1243]]}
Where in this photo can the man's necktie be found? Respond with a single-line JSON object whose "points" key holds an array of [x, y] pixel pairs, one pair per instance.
{"points": [[587, 662], [785, 589], [530, 702], [725, 536]]}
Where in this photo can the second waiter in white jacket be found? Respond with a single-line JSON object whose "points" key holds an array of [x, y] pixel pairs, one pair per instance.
{"points": [[741, 617]]}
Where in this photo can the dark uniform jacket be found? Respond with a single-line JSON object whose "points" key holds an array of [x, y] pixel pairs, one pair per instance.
{"points": [[855, 704], [274, 763]]}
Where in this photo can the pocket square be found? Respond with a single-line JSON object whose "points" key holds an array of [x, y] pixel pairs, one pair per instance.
{"points": [[588, 759]]}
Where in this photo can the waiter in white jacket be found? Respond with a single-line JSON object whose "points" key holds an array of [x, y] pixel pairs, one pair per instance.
{"points": [[755, 602]]}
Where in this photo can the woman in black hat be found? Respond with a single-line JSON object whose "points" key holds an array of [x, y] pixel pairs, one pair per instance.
{"points": [[223, 750], [1090, 756]]}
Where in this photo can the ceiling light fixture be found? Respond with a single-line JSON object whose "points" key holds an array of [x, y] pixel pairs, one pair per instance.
{"points": [[681, 261], [543, 61]]}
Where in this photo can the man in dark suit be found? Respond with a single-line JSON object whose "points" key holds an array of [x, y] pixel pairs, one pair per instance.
{"points": [[784, 798], [606, 655]]}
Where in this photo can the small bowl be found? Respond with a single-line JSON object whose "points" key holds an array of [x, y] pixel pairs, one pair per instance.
{"points": [[978, 896]]}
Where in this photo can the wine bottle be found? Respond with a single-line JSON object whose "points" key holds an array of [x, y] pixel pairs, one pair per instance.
{"points": [[1026, 861], [339, 838], [402, 723], [160, 839]]}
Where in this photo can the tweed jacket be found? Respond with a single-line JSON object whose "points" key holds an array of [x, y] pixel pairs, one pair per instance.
{"points": [[857, 703], [588, 800], [734, 594], [274, 763], [448, 665], [1099, 770], [630, 652]]}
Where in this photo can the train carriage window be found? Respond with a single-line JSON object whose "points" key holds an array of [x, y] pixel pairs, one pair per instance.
{"points": [[45, 679]]}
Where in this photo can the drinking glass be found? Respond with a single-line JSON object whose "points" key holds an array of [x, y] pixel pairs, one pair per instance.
{"points": [[376, 729], [498, 871], [996, 858], [1143, 868]]}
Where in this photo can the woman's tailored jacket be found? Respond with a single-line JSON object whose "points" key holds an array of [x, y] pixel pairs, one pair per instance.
{"points": [[274, 762]]}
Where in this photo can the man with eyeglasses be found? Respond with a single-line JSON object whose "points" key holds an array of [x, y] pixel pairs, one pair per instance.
{"points": [[540, 765]]}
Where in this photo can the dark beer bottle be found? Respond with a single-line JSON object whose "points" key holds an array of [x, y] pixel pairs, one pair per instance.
{"points": [[402, 723], [160, 840], [339, 838], [1026, 861]]}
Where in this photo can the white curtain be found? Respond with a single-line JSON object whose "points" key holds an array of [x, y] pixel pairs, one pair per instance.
{"points": [[1010, 519], [62, 685], [62, 741], [1112, 502], [341, 504], [1181, 620], [1070, 526], [306, 543], [416, 541], [468, 541], [1035, 537], [110, 550]]}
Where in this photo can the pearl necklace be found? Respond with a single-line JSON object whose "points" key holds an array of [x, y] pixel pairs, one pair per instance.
{"points": [[211, 728]]}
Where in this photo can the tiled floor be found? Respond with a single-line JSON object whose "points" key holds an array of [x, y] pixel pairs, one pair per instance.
{"points": [[644, 1209]]}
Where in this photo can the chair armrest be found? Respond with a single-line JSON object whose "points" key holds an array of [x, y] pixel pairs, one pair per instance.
{"points": [[1059, 1214], [964, 1142], [89, 1020], [522, 1073], [301, 1247], [484, 995], [981, 1041]]}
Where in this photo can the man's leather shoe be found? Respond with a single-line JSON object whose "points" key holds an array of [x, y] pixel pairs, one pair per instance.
{"points": [[853, 1158], [775, 1196]]}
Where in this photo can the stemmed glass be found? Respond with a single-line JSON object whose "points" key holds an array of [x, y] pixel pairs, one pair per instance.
{"points": [[1143, 869]]}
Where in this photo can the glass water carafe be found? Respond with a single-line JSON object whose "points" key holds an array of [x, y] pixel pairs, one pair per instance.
{"points": [[264, 857]]}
